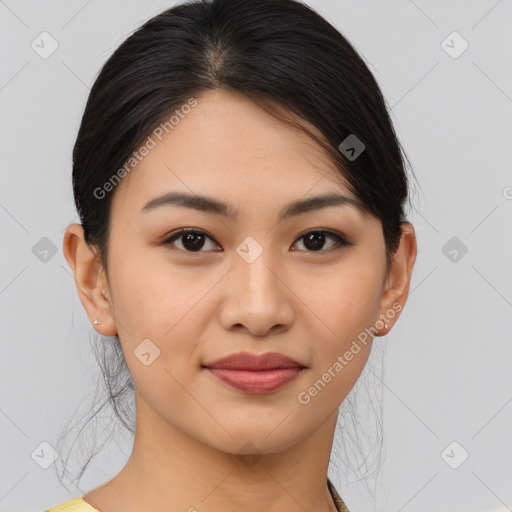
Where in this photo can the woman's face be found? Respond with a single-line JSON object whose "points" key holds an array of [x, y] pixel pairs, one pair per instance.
{"points": [[248, 281]]}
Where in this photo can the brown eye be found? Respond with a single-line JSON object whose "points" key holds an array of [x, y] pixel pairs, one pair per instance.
{"points": [[192, 240], [314, 241]]}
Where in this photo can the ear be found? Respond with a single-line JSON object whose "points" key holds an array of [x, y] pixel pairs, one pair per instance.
{"points": [[90, 279], [398, 278]]}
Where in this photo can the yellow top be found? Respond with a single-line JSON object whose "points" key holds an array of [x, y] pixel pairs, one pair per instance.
{"points": [[80, 505], [74, 505]]}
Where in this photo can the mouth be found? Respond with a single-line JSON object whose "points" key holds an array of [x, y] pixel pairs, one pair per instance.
{"points": [[256, 381], [253, 373]]}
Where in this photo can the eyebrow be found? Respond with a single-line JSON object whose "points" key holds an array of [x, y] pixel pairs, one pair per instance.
{"points": [[211, 205]]}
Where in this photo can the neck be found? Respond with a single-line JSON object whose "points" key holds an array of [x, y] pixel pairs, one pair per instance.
{"points": [[170, 470]]}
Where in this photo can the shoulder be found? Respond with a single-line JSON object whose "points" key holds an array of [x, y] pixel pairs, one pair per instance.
{"points": [[74, 505]]}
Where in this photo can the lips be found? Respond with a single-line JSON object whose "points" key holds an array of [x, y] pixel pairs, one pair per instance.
{"points": [[254, 362], [255, 373]]}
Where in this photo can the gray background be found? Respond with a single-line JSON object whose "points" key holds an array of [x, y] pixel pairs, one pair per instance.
{"points": [[447, 362]]}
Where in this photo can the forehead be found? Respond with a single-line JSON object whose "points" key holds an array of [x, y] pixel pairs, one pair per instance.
{"points": [[229, 147]]}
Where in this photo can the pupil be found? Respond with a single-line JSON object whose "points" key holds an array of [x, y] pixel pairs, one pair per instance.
{"points": [[317, 240], [194, 241]]}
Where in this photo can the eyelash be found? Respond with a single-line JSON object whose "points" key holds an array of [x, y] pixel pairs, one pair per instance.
{"points": [[340, 241]]}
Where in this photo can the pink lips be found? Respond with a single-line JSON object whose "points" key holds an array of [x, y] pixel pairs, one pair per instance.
{"points": [[255, 373]]}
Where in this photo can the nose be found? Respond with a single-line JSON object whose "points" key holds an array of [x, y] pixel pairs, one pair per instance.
{"points": [[256, 296]]}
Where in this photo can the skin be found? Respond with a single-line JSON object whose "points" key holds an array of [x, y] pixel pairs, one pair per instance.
{"points": [[199, 306]]}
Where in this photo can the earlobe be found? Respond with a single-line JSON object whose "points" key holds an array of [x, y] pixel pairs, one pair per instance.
{"points": [[398, 279], [90, 280]]}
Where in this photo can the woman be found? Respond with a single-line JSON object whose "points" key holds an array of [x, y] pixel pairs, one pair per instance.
{"points": [[241, 193]]}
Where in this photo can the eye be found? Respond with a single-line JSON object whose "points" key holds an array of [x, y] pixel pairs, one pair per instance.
{"points": [[193, 240], [314, 241]]}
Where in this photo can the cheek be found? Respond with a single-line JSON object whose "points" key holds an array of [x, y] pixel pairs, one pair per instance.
{"points": [[348, 306], [346, 302], [165, 305], [153, 296]]}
